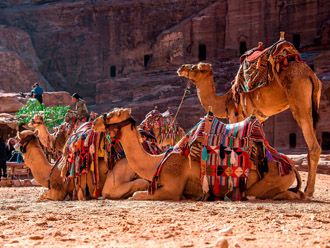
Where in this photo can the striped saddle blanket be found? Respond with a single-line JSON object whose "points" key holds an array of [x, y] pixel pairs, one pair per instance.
{"points": [[227, 152]]}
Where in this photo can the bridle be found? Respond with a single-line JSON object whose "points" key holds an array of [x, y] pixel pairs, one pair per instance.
{"points": [[118, 126], [25, 141]]}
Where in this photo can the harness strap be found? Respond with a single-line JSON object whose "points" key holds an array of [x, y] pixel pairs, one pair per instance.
{"points": [[51, 171]]}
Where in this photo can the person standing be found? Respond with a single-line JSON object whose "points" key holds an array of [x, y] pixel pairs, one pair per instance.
{"points": [[37, 92], [10, 148], [3, 158]]}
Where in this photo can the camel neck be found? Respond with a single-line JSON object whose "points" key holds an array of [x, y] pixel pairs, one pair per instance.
{"points": [[36, 160], [141, 162], [208, 97]]}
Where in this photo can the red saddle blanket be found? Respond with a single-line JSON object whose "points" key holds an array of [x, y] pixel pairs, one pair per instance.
{"points": [[227, 152]]}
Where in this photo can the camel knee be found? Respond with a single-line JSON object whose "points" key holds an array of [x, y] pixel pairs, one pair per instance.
{"points": [[315, 152]]}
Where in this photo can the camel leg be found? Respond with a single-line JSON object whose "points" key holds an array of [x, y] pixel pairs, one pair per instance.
{"points": [[301, 111], [289, 195], [124, 190], [272, 184], [52, 195], [165, 192]]}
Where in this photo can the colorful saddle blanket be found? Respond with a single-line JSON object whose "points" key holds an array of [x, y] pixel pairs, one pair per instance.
{"points": [[258, 65], [227, 152], [83, 149]]}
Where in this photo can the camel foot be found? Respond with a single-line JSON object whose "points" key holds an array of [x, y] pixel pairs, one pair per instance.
{"points": [[309, 192], [140, 195]]}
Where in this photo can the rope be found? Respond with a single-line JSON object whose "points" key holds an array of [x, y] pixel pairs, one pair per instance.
{"points": [[186, 90]]}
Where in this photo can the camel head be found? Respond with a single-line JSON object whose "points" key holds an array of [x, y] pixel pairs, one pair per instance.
{"points": [[24, 138], [37, 120], [117, 115], [196, 73]]}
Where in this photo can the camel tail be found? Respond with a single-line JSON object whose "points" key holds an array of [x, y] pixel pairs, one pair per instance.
{"points": [[316, 96]]}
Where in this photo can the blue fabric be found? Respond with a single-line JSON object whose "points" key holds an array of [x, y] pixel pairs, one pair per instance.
{"points": [[38, 90]]}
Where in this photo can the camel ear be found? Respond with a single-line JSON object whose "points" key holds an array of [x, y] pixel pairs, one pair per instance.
{"points": [[36, 132]]}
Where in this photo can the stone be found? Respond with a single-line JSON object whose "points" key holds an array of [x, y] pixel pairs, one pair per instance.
{"points": [[221, 243], [12, 102]]}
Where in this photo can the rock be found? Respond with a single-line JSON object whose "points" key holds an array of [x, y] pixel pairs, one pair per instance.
{"points": [[227, 230], [221, 243], [27, 183], [114, 54], [12, 102]]}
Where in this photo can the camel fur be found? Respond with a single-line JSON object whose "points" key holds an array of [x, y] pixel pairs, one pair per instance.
{"points": [[281, 93], [180, 177], [116, 184]]}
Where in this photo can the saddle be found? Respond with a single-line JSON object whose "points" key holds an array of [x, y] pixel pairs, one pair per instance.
{"points": [[259, 64], [227, 152]]}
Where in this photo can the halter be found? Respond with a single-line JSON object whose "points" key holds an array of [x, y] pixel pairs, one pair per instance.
{"points": [[24, 142], [118, 126]]}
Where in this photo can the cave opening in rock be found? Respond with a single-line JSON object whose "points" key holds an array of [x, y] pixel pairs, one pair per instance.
{"points": [[147, 60], [296, 40], [113, 71], [202, 52], [325, 141], [292, 140], [242, 47]]}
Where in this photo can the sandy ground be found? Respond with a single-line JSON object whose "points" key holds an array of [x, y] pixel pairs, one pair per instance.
{"points": [[104, 223]]}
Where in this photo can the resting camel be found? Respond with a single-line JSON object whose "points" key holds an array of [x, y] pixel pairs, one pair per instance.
{"points": [[119, 183], [163, 126], [296, 88], [179, 178]]}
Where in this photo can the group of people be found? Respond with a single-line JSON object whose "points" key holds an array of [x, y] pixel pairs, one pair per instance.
{"points": [[8, 154]]}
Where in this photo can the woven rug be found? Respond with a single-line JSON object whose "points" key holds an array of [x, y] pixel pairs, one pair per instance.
{"points": [[83, 149], [258, 65], [227, 152]]}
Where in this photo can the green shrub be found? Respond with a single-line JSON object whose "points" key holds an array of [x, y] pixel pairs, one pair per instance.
{"points": [[53, 116]]}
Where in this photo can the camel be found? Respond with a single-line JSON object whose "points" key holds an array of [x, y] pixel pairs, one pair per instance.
{"points": [[46, 139], [119, 183], [180, 177], [281, 93], [162, 125]]}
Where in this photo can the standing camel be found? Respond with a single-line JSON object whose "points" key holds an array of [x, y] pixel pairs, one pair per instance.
{"points": [[180, 177], [296, 88]]}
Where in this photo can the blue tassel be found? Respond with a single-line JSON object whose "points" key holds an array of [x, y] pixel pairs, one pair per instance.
{"points": [[204, 154]]}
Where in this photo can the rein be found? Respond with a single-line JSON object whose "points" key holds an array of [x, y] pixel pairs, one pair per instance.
{"points": [[51, 171], [186, 91]]}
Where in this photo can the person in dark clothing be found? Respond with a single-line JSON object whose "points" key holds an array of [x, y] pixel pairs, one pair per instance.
{"points": [[10, 148], [37, 92], [3, 158]]}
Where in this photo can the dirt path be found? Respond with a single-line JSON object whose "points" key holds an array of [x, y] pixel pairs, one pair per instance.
{"points": [[24, 222]]}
